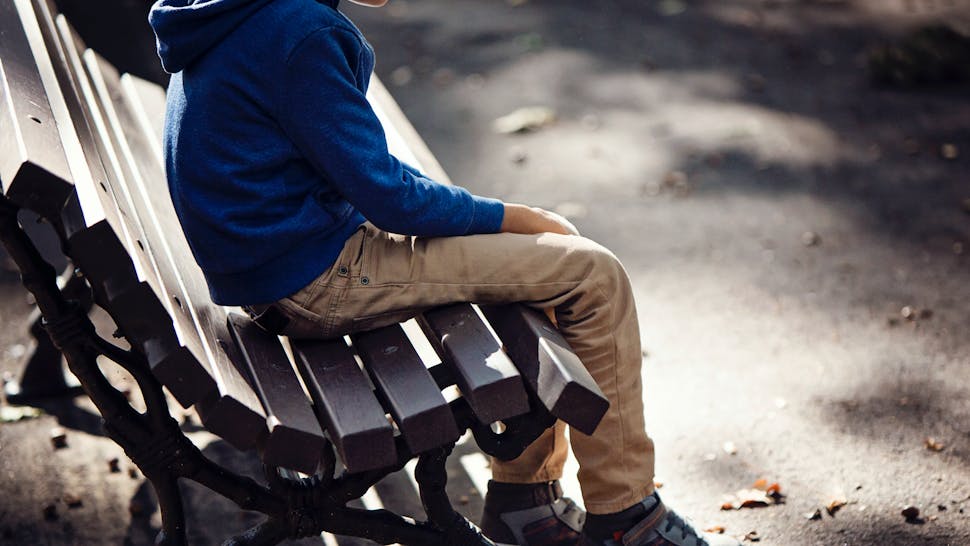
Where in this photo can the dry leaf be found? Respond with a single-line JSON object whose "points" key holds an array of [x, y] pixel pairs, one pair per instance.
{"points": [[814, 516], [716, 529], [910, 512], [524, 120], [835, 504], [58, 438], [72, 500], [774, 491], [760, 494], [748, 498], [678, 182], [753, 536], [933, 445]]}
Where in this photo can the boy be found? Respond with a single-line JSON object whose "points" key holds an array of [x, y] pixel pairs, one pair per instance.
{"points": [[281, 177]]}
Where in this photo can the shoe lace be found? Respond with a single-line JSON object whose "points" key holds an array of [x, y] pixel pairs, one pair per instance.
{"points": [[687, 531]]}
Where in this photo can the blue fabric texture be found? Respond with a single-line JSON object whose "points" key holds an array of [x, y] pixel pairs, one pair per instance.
{"points": [[273, 155]]}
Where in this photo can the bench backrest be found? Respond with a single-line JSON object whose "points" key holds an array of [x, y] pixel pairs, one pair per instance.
{"points": [[88, 157]]}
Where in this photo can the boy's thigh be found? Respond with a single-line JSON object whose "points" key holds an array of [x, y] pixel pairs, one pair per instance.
{"points": [[401, 276]]}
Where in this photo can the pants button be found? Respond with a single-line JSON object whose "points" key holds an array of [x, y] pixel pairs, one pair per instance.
{"points": [[342, 270], [364, 280]]}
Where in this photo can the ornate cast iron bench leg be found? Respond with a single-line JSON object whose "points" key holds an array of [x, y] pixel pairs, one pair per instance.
{"points": [[43, 376], [153, 440], [432, 477]]}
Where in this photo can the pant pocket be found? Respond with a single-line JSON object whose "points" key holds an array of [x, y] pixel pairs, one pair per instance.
{"points": [[302, 322], [378, 320]]}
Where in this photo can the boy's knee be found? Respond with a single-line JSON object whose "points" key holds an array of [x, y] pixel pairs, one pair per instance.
{"points": [[601, 262]]}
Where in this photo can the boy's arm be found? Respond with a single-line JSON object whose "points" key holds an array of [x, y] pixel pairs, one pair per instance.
{"points": [[524, 219], [412, 169], [329, 119]]}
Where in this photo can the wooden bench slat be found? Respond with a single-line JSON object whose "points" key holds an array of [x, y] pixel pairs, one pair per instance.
{"points": [[345, 404], [548, 365], [147, 101], [33, 166], [80, 147], [486, 376], [415, 401], [295, 439], [58, 152], [83, 148]]}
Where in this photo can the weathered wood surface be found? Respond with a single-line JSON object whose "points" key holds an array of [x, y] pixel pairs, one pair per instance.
{"points": [[411, 395], [548, 365], [485, 375], [345, 404], [33, 166], [295, 439]]}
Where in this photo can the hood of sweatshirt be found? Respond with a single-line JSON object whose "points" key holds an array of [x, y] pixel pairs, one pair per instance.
{"points": [[186, 29]]}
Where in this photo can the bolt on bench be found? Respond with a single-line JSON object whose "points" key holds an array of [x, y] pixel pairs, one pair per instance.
{"points": [[80, 145]]}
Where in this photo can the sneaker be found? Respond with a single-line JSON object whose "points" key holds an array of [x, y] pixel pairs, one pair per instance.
{"points": [[662, 527], [531, 515]]}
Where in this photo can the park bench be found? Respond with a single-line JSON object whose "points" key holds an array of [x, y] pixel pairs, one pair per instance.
{"points": [[80, 146]]}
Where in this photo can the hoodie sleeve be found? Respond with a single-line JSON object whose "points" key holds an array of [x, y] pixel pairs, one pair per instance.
{"points": [[326, 114]]}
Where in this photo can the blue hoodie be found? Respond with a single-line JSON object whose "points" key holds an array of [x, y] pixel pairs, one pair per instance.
{"points": [[274, 156]]}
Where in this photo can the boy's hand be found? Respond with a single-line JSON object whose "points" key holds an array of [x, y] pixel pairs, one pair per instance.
{"points": [[530, 220]]}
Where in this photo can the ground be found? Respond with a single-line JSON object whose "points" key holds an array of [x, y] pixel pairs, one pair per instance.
{"points": [[799, 240]]}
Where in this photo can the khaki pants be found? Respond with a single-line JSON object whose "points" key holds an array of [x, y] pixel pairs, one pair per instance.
{"points": [[381, 279]]}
